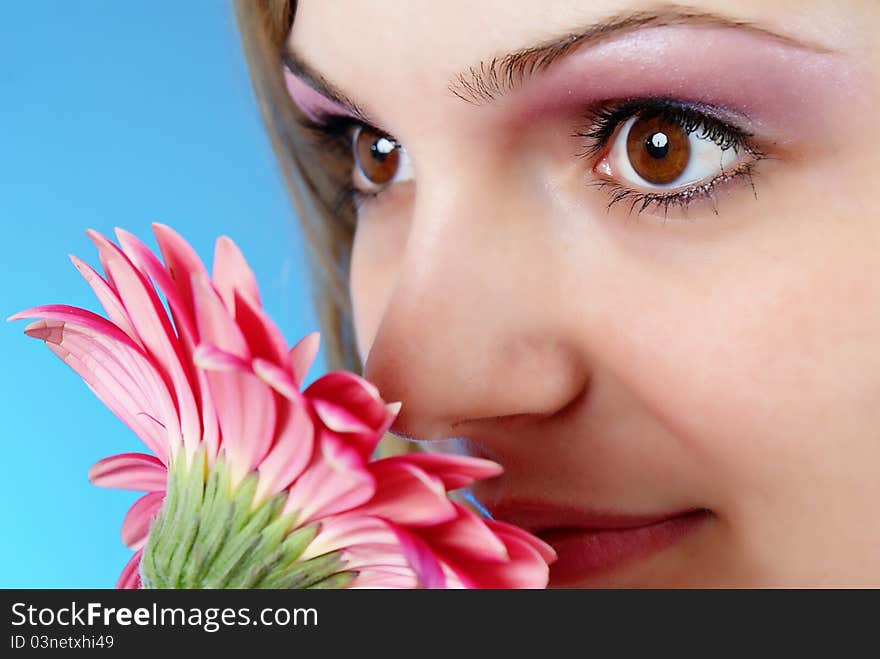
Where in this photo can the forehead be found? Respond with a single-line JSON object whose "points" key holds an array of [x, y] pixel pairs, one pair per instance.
{"points": [[356, 40], [415, 36]]}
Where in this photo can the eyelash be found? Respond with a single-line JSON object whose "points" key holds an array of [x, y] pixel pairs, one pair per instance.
{"points": [[334, 133], [603, 122]]}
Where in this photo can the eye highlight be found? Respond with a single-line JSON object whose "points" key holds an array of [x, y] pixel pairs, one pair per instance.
{"points": [[656, 152]]}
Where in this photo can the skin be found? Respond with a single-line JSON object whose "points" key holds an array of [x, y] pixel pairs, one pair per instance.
{"points": [[623, 362]]}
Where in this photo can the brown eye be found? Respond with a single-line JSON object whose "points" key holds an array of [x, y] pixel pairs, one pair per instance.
{"points": [[658, 149], [377, 155]]}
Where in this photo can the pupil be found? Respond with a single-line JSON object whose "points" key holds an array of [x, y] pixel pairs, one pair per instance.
{"points": [[657, 145]]}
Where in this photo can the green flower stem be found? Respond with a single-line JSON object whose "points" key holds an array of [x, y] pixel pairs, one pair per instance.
{"points": [[209, 535]]}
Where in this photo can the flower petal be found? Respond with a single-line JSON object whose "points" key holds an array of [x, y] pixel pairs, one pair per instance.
{"points": [[279, 379], [467, 535], [337, 418], [130, 471], [349, 404], [422, 559], [130, 578], [509, 530], [182, 263], [525, 569], [232, 273], [290, 453], [246, 409], [136, 526], [212, 358], [334, 482], [349, 530], [108, 298], [406, 555], [74, 315], [151, 268], [262, 335], [215, 323], [386, 578], [302, 355], [407, 495], [455, 471], [118, 372], [156, 333]]}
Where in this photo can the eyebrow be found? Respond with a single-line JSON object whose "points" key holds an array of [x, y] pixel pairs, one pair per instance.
{"points": [[491, 79]]}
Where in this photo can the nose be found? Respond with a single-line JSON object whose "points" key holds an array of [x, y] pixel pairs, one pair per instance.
{"points": [[476, 326]]}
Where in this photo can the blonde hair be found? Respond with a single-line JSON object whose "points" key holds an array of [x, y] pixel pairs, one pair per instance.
{"points": [[327, 224], [328, 227]]}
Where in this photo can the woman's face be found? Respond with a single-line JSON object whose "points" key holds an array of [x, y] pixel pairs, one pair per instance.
{"points": [[638, 268]]}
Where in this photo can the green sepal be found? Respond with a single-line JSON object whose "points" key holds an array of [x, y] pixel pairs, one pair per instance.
{"points": [[211, 535]]}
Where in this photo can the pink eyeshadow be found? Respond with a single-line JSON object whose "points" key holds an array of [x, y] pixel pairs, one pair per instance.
{"points": [[777, 86], [310, 102]]}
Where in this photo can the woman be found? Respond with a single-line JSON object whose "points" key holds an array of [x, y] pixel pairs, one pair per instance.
{"points": [[628, 250]]}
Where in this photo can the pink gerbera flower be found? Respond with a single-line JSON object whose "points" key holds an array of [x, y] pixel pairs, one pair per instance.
{"points": [[251, 481]]}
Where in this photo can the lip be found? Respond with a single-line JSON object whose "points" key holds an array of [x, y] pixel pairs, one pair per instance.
{"points": [[592, 543]]}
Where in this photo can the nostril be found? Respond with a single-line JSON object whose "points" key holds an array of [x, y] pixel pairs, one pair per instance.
{"points": [[411, 426], [401, 435], [519, 420], [572, 405], [502, 422]]}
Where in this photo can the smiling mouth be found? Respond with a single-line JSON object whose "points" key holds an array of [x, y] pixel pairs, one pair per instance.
{"points": [[589, 544]]}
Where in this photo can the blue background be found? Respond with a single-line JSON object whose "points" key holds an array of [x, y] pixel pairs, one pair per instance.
{"points": [[114, 114]]}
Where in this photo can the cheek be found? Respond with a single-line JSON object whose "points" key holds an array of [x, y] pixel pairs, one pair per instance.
{"points": [[376, 260], [366, 286], [763, 355]]}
